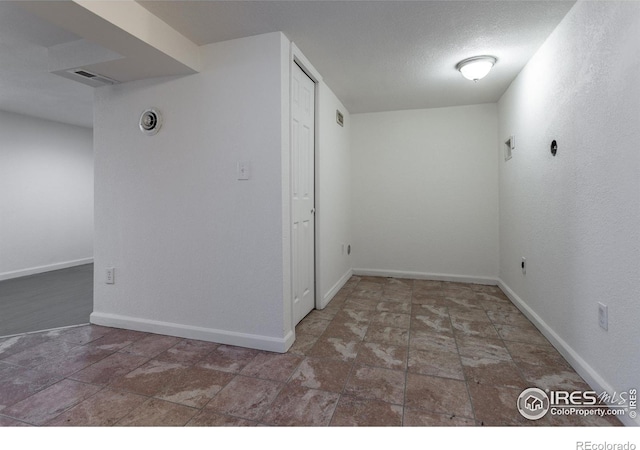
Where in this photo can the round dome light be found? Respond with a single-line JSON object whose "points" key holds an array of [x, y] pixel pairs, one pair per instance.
{"points": [[476, 68]]}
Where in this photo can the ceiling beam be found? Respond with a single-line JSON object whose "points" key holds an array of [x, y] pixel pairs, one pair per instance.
{"points": [[149, 47]]}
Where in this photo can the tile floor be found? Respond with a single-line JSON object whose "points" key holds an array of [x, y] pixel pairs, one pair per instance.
{"points": [[385, 352]]}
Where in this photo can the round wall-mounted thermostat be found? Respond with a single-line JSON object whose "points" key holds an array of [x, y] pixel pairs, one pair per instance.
{"points": [[150, 121]]}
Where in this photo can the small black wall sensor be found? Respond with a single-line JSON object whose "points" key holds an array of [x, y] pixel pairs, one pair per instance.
{"points": [[554, 147]]}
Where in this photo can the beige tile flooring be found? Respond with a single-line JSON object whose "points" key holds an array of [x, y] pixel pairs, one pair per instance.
{"points": [[385, 352]]}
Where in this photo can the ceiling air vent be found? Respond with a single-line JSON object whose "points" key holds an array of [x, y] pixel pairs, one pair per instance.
{"points": [[89, 78], [84, 73]]}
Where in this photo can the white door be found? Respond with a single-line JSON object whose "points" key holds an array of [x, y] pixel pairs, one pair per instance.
{"points": [[303, 212]]}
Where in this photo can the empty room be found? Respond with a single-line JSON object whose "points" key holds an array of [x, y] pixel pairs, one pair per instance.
{"points": [[320, 213]]}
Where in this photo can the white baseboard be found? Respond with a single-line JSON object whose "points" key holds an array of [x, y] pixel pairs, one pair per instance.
{"points": [[190, 332], [588, 373], [426, 276], [42, 269], [324, 301]]}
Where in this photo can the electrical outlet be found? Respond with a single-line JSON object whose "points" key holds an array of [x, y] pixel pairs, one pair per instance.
{"points": [[603, 316], [110, 276], [244, 170], [523, 265]]}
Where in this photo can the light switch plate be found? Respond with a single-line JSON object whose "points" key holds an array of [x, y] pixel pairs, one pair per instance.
{"points": [[509, 145], [603, 316]]}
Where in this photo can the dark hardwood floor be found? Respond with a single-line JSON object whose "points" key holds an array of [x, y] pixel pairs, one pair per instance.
{"points": [[48, 300]]}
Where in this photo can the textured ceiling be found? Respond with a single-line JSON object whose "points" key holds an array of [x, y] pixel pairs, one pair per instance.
{"points": [[385, 55], [375, 55]]}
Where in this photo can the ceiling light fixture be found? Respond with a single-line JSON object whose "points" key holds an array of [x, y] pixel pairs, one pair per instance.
{"points": [[476, 68]]}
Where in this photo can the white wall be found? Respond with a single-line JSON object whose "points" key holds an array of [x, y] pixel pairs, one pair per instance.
{"points": [[425, 193], [198, 253], [576, 217], [333, 197], [46, 195]]}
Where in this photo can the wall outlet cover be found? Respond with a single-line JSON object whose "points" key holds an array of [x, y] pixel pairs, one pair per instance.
{"points": [[603, 316], [244, 170], [110, 276]]}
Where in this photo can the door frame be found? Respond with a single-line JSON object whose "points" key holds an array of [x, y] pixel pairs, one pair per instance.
{"points": [[297, 57]]}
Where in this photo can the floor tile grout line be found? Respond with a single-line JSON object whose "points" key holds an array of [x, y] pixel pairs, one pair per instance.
{"points": [[406, 373], [13, 418], [464, 374], [333, 413], [346, 382], [111, 386], [71, 406], [352, 364], [513, 360]]}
